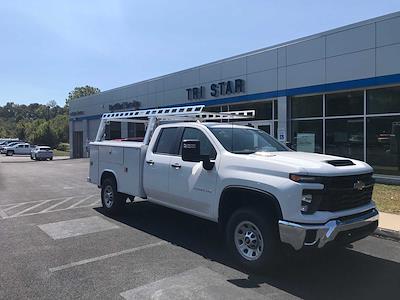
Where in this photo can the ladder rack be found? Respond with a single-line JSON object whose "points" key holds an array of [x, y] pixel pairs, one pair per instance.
{"points": [[155, 112], [182, 113]]}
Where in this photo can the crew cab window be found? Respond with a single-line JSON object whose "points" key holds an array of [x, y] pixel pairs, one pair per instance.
{"points": [[246, 140], [206, 148], [167, 141]]}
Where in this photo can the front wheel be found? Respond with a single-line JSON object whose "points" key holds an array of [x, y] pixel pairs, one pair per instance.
{"points": [[110, 198], [10, 153], [253, 240]]}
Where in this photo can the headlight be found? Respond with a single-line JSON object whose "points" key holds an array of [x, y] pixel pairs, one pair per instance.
{"points": [[305, 178]]}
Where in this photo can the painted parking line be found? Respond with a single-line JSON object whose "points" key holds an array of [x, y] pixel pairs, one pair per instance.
{"points": [[30, 208], [198, 283], [76, 227], [103, 257]]}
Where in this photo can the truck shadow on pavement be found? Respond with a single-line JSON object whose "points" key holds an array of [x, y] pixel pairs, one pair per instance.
{"points": [[328, 274]]}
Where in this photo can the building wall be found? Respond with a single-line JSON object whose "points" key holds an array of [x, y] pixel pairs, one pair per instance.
{"points": [[359, 51], [357, 56]]}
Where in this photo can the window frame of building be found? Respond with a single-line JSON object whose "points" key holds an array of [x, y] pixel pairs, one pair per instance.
{"points": [[365, 115]]}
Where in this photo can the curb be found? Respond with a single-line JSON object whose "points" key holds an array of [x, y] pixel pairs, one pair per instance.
{"points": [[29, 161], [387, 233]]}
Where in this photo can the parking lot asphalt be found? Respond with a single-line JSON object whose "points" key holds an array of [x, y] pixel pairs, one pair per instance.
{"points": [[56, 243]]}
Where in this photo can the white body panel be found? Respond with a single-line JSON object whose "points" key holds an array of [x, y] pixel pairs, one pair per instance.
{"points": [[192, 189], [124, 160]]}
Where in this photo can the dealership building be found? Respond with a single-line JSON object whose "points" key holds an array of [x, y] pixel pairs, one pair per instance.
{"points": [[336, 92]]}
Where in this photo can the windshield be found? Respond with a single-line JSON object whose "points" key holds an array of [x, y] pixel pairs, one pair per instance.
{"points": [[246, 141]]}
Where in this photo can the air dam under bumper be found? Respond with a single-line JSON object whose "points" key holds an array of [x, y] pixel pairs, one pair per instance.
{"points": [[300, 235]]}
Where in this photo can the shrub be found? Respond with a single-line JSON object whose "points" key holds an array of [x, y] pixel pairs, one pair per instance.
{"points": [[63, 147]]}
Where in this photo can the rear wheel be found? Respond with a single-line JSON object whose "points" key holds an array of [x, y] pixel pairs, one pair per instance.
{"points": [[252, 238], [110, 198]]}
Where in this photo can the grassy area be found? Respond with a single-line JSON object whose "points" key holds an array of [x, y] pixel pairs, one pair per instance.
{"points": [[387, 198], [60, 153]]}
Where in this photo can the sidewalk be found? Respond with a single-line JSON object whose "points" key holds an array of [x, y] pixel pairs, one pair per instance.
{"points": [[389, 225]]}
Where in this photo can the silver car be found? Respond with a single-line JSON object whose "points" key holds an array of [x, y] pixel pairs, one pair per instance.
{"points": [[42, 153]]}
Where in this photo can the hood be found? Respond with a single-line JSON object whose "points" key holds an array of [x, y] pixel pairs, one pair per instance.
{"points": [[312, 163]]}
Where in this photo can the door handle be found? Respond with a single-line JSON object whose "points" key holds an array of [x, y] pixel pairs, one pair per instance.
{"points": [[150, 162], [176, 166]]}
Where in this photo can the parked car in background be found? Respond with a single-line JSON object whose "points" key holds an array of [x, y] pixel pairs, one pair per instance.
{"points": [[42, 153], [7, 144], [19, 148], [9, 140]]}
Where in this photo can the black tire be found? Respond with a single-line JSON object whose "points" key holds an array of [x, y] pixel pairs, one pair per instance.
{"points": [[265, 253], [109, 190], [10, 153], [31, 157], [51, 158]]}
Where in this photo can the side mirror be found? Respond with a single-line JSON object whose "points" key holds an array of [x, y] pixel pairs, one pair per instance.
{"points": [[289, 145], [191, 150]]}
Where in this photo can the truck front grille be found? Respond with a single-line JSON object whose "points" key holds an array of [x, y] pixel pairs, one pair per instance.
{"points": [[346, 192]]}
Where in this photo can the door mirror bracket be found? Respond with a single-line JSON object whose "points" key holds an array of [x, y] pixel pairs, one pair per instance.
{"points": [[207, 163]]}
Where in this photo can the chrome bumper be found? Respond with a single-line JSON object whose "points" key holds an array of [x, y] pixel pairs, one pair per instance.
{"points": [[294, 234]]}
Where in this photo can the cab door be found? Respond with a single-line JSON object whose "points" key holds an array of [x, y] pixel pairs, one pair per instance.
{"points": [[158, 164], [19, 149], [191, 186], [27, 149]]}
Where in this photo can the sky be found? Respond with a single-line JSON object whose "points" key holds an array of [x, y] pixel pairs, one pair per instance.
{"points": [[49, 47]]}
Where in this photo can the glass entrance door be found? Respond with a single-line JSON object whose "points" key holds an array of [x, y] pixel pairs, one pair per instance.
{"points": [[267, 126]]}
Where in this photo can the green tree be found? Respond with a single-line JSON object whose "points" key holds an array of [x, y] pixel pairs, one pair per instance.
{"points": [[60, 127], [81, 91]]}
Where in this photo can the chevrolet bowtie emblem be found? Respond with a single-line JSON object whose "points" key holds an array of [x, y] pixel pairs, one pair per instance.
{"points": [[359, 185]]}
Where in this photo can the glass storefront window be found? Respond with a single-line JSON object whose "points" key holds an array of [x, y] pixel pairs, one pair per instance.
{"points": [[113, 131], [136, 130], [263, 109], [384, 100], [216, 108], [306, 106], [383, 144], [307, 135], [347, 103], [345, 137]]}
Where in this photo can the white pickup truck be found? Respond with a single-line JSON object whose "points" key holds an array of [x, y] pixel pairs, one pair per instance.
{"points": [[262, 194]]}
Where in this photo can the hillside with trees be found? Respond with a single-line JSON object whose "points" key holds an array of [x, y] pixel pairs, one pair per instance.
{"points": [[40, 124]]}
